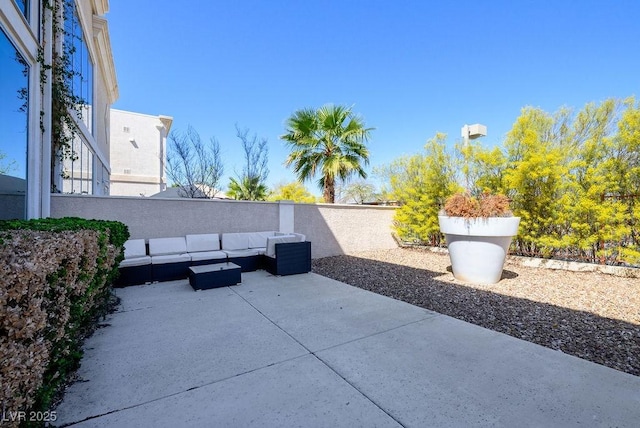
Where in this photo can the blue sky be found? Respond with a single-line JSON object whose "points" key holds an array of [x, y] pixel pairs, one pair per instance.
{"points": [[409, 68]]}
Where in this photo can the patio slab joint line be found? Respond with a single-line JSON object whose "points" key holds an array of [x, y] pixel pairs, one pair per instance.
{"points": [[435, 315], [192, 388], [335, 346]]}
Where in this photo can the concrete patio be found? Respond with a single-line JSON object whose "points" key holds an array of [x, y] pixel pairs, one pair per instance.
{"points": [[308, 351]]}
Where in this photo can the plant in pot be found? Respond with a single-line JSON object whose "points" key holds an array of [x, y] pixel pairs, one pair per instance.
{"points": [[478, 231]]}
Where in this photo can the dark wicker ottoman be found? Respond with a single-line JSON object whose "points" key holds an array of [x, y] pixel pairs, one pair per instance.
{"points": [[214, 275]]}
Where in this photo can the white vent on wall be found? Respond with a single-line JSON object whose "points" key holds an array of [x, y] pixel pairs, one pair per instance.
{"points": [[127, 171], [126, 129]]}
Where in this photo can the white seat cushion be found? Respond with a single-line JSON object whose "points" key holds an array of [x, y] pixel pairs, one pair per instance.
{"points": [[170, 258], [242, 253], [203, 242], [135, 261], [135, 248], [208, 255], [164, 246], [235, 241]]}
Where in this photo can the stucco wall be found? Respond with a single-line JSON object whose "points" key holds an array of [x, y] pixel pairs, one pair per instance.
{"points": [[157, 218], [11, 206], [344, 229], [332, 229]]}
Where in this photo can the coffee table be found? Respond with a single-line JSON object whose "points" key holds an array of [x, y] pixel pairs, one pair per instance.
{"points": [[215, 275]]}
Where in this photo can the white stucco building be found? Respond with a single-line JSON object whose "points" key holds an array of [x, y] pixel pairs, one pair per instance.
{"points": [[138, 153], [26, 27]]}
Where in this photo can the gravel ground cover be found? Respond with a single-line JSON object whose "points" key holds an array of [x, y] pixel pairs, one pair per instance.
{"points": [[590, 315]]}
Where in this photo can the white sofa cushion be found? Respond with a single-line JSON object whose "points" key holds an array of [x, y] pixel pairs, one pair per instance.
{"points": [[259, 239], [135, 248], [273, 240], [170, 258], [135, 261], [250, 252], [300, 235], [203, 242], [235, 241], [165, 246], [208, 255]]}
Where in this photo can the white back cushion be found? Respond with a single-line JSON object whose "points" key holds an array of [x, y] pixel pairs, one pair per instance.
{"points": [[203, 242], [134, 248], [273, 240], [235, 241], [259, 239], [164, 246]]}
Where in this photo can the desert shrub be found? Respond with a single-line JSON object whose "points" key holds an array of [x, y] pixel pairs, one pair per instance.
{"points": [[486, 205], [571, 177], [422, 183], [55, 278]]}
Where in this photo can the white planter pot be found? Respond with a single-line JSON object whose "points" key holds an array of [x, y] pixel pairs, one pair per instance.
{"points": [[478, 247]]}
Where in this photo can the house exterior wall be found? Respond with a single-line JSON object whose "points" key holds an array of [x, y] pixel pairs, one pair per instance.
{"points": [[28, 35], [138, 153], [331, 229]]}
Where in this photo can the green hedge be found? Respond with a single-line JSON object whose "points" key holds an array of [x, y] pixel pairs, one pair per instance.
{"points": [[56, 283], [118, 232]]}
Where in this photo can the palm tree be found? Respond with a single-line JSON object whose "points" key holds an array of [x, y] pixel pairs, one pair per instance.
{"points": [[331, 141], [247, 189]]}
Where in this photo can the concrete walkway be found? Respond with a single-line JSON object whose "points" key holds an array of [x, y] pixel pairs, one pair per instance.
{"points": [[309, 351]]}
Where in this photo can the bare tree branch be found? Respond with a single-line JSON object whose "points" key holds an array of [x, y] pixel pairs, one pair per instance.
{"points": [[194, 166], [250, 184]]}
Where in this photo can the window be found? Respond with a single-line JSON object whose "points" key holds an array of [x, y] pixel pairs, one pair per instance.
{"points": [[102, 180], [23, 5], [77, 171], [14, 119], [76, 47]]}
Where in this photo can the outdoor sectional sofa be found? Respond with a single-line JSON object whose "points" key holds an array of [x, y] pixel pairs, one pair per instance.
{"points": [[167, 259], [136, 266]]}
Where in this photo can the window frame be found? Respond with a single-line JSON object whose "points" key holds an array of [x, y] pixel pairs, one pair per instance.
{"points": [[20, 33]]}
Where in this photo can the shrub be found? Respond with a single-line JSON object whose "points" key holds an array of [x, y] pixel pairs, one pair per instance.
{"points": [[487, 205], [56, 280], [572, 178], [421, 183]]}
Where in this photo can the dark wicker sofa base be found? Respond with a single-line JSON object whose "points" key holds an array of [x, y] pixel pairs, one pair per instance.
{"points": [[291, 259]]}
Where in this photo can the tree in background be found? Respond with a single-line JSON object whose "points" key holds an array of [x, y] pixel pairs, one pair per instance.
{"points": [[482, 168], [250, 184], [194, 166], [572, 177], [586, 209], [247, 189], [566, 174], [357, 192], [7, 167], [534, 177], [330, 141], [294, 191], [422, 183], [624, 168]]}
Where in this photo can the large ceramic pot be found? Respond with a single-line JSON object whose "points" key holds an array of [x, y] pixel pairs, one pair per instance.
{"points": [[478, 246]]}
